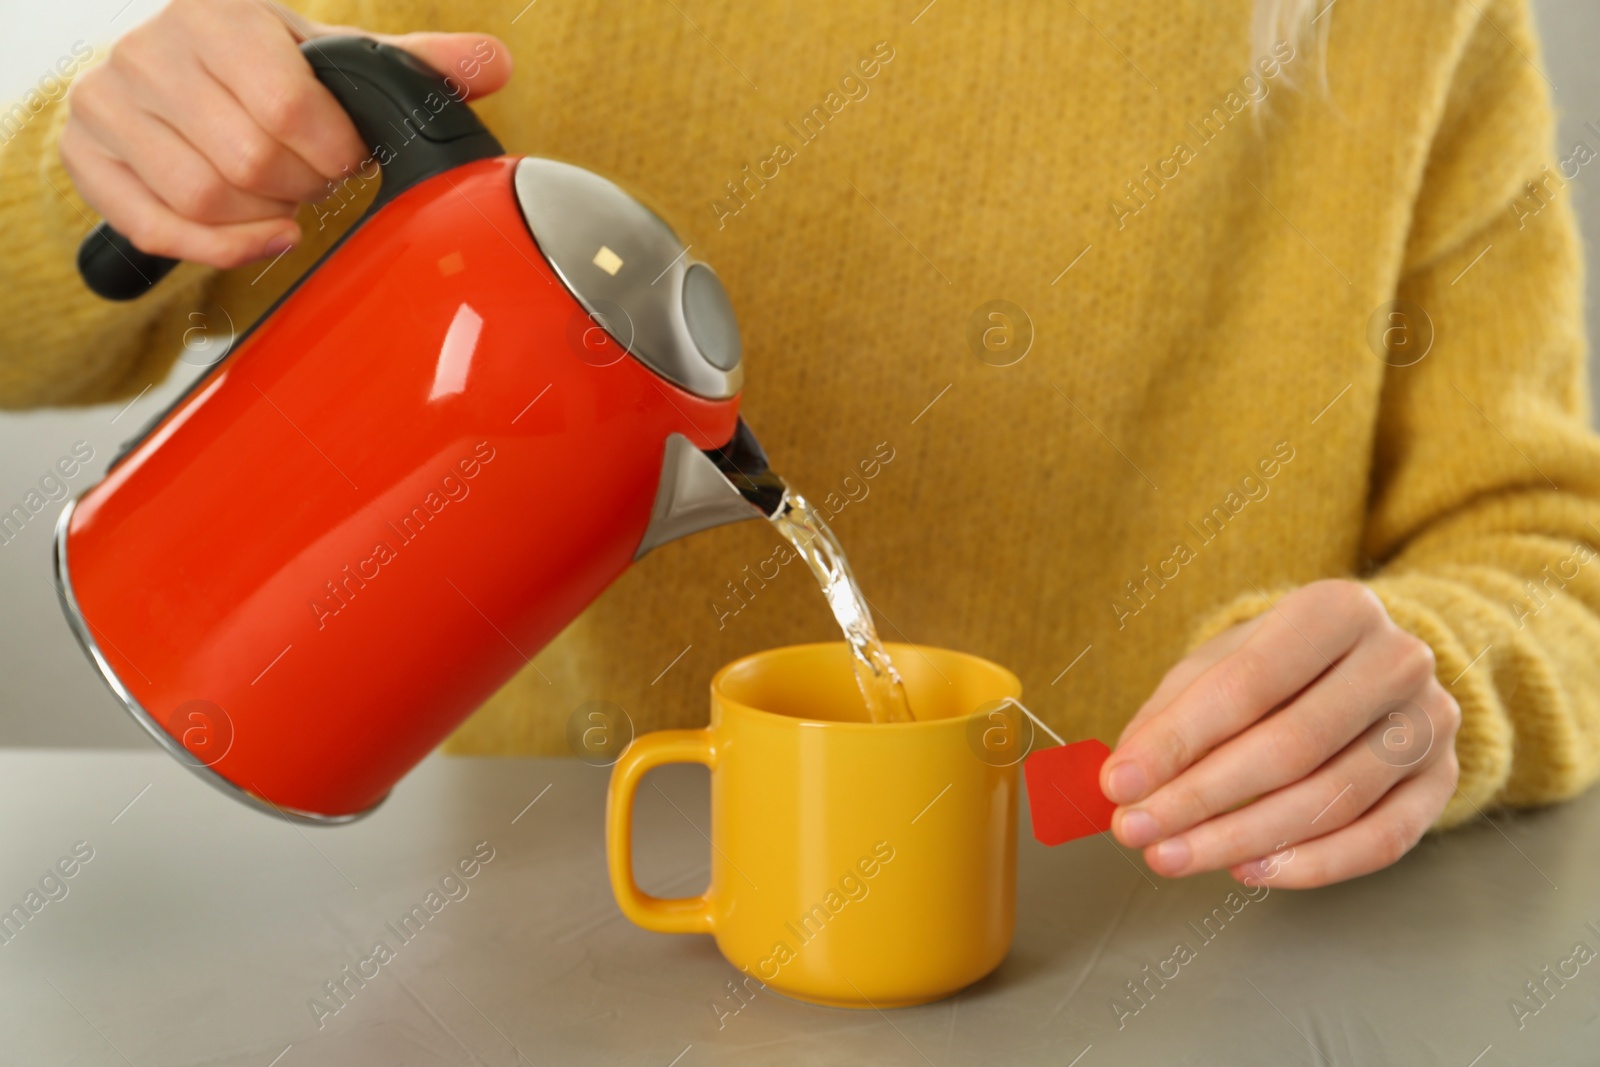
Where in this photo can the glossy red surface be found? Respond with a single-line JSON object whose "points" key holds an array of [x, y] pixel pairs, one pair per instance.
{"points": [[393, 493]]}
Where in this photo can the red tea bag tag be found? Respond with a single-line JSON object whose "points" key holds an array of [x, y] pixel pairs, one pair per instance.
{"points": [[1064, 791]]}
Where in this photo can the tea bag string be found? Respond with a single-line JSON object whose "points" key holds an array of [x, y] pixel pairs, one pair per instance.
{"points": [[1036, 720]]}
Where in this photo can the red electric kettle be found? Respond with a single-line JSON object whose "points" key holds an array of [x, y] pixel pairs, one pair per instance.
{"points": [[504, 384]]}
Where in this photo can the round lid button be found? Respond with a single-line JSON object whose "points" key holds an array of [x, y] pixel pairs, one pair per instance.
{"points": [[625, 267], [709, 316]]}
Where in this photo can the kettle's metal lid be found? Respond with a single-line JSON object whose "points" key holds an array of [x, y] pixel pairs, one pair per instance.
{"points": [[633, 276]]}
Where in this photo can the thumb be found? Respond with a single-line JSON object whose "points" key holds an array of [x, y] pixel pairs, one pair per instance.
{"points": [[1191, 667], [473, 64]]}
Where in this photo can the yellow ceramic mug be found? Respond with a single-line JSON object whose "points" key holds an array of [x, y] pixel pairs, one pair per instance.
{"points": [[853, 864]]}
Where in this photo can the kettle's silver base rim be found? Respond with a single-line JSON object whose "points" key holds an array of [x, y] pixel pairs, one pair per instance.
{"points": [[91, 648]]}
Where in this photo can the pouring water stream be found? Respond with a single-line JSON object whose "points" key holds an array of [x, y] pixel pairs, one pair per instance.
{"points": [[880, 684]]}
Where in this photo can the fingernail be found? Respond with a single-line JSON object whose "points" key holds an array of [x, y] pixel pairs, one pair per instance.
{"points": [[279, 245], [1125, 784], [1173, 855], [1138, 829]]}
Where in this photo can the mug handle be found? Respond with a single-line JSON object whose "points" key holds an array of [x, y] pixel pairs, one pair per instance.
{"points": [[679, 915]]}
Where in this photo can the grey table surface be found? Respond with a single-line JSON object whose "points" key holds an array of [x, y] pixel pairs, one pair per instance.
{"points": [[200, 932]]}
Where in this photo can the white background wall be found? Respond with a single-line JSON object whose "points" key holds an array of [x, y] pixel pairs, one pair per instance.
{"points": [[48, 693]]}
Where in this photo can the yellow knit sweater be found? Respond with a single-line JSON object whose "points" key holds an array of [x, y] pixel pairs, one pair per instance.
{"points": [[1201, 420]]}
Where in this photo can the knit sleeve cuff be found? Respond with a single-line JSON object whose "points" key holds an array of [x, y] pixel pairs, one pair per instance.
{"points": [[1242, 608]]}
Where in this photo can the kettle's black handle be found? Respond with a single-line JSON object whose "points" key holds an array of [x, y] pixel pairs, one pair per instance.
{"points": [[113, 268], [406, 113]]}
